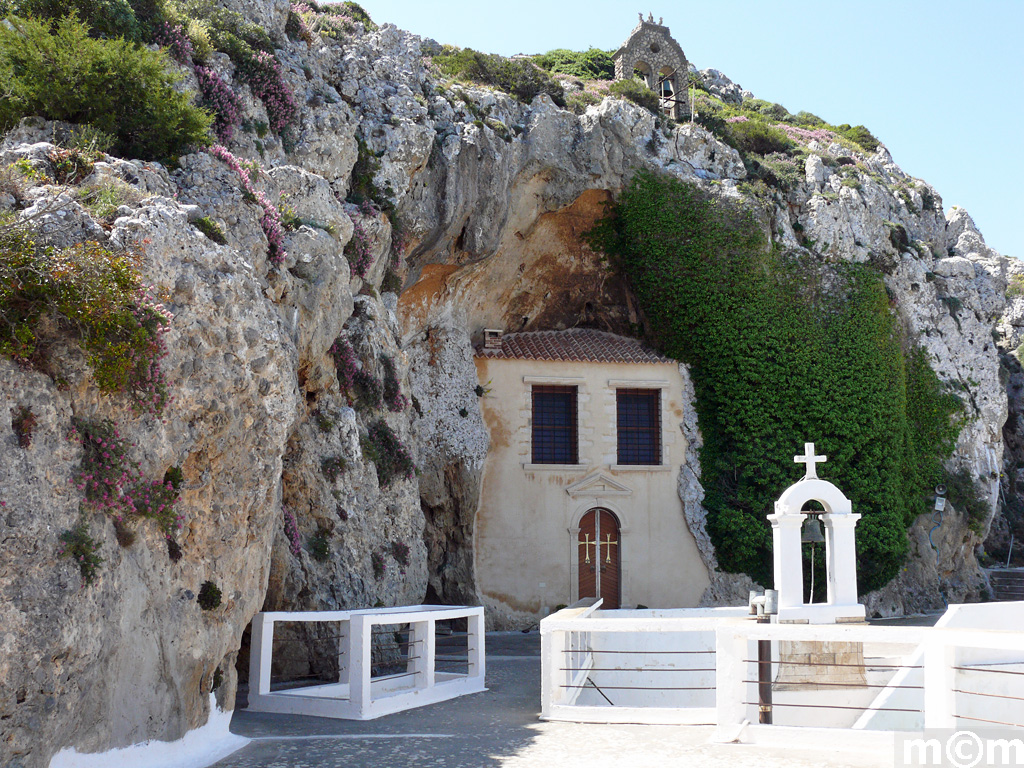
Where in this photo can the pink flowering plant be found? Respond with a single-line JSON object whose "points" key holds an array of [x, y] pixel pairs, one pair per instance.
{"points": [[806, 135], [217, 96], [291, 531], [331, 21], [393, 397], [270, 220], [175, 40], [359, 383], [115, 485], [346, 363], [262, 73], [357, 251], [400, 551]]}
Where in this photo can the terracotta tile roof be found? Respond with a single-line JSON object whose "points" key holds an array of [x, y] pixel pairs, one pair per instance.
{"points": [[576, 344]]}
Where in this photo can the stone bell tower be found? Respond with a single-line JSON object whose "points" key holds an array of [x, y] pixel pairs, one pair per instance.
{"points": [[652, 54]]}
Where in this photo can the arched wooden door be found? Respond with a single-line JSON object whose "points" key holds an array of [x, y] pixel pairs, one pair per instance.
{"points": [[599, 557]]}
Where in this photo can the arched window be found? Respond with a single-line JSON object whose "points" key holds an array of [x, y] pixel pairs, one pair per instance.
{"points": [[667, 89], [643, 72]]}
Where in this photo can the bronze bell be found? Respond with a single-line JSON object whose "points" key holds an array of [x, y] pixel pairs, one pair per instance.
{"points": [[812, 531]]}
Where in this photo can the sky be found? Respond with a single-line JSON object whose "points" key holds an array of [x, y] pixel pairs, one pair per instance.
{"points": [[933, 80]]}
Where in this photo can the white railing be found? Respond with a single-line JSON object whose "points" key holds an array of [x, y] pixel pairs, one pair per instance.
{"points": [[630, 666], [358, 694], [944, 677], [854, 681]]}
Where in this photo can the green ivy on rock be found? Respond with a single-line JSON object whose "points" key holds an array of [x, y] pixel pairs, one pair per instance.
{"points": [[783, 349]]}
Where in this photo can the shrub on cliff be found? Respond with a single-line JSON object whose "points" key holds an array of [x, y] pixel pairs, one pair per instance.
{"points": [[118, 87], [755, 136], [592, 64], [637, 92], [93, 294], [104, 18], [519, 77]]}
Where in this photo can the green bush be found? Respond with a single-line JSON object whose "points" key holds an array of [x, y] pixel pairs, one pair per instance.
{"points": [[757, 137], [592, 64], [92, 293], [104, 18], [783, 349], [808, 119], [119, 88], [519, 77], [209, 596], [320, 546], [768, 109], [80, 547], [637, 92], [211, 229], [356, 11], [391, 457], [859, 135]]}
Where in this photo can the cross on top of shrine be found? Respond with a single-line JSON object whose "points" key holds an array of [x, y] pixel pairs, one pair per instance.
{"points": [[810, 460]]}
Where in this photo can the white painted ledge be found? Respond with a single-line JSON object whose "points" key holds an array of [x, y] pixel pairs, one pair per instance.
{"points": [[641, 467], [575, 468], [198, 748]]}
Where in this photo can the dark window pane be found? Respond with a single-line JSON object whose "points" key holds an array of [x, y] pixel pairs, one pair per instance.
{"points": [[639, 426], [554, 425]]}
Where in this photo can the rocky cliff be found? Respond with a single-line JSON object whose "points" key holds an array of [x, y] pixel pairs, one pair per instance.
{"points": [[282, 373]]}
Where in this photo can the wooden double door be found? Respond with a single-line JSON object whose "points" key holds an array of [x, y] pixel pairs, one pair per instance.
{"points": [[600, 558]]}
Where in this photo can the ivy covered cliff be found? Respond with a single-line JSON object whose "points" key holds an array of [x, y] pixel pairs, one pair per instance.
{"points": [[247, 248]]}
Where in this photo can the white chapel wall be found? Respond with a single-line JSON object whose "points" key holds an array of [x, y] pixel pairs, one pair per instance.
{"points": [[525, 547]]}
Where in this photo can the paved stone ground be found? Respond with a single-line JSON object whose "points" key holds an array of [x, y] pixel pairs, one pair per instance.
{"points": [[501, 727]]}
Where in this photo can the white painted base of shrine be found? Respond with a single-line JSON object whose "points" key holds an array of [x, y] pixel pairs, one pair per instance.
{"points": [[823, 613]]}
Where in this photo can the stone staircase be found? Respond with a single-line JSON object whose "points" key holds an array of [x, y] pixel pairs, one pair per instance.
{"points": [[1007, 583]]}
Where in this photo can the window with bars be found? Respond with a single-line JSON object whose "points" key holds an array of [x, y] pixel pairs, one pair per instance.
{"points": [[639, 426], [554, 425]]}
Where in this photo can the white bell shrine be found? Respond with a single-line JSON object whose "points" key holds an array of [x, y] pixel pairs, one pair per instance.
{"points": [[840, 553]]}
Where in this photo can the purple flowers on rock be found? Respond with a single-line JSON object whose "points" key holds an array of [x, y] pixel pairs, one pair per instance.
{"points": [[291, 530], [218, 97], [262, 73], [270, 221], [115, 485], [173, 38]]}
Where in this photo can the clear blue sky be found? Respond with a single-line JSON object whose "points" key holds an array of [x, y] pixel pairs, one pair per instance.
{"points": [[938, 82]]}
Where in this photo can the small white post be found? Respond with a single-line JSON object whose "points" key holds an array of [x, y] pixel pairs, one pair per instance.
{"points": [[261, 647], [475, 645], [552, 652], [421, 651], [730, 695], [939, 678], [344, 650], [360, 655]]}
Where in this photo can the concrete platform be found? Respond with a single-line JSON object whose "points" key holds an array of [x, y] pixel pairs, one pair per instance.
{"points": [[501, 727]]}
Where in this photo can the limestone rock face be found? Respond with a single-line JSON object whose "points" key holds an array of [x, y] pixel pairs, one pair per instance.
{"points": [[482, 202], [721, 86], [132, 657]]}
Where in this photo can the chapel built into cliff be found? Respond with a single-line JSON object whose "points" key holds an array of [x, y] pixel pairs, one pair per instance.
{"points": [[651, 54], [580, 491]]}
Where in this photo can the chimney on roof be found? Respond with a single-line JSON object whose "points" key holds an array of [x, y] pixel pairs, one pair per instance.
{"points": [[492, 338]]}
